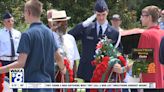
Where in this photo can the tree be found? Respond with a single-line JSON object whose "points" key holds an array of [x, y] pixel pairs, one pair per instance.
{"points": [[16, 8], [79, 10]]}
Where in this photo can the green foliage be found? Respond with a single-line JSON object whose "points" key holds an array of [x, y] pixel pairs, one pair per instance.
{"points": [[16, 8], [105, 48], [140, 67], [79, 10]]}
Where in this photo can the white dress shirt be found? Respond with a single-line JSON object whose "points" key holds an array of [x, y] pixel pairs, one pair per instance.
{"points": [[70, 48], [5, 43], [104, 27]]}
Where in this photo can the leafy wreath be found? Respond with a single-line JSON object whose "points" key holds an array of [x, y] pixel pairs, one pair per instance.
{"points": [[105, 58]]}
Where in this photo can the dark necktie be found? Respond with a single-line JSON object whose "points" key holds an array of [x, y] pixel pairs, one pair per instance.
{"points": [[100, 32], [12, 45]]}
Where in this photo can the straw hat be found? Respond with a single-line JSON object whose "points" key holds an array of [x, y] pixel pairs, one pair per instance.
{"points": [[59, 16]]}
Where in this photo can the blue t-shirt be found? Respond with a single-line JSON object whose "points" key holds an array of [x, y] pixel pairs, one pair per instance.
{"points": [[38, 42]]}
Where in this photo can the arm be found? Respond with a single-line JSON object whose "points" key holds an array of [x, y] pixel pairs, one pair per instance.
{"points": [[89, 20], [17, 64], [60, 62], [77, 31], [75, 69], [116, 38], [23, 50]]}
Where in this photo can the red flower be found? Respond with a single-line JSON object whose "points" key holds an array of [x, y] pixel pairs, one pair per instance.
{"points": [[94, 63], [99, 45], [122, 59], [94, 90], [100, 70], [106, 58], [66, 62], [70, 71], [70, 74], [2, 76]]}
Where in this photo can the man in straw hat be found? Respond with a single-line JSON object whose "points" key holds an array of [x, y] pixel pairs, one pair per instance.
{"points": [[67, 42], [37, 50]]}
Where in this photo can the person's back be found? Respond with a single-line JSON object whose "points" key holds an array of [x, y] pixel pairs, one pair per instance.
{"points": [[39, 47], [37, 50], [41, 53]]}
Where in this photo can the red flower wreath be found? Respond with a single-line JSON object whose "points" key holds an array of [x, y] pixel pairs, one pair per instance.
{"points": [[105, 58], [68, 77], [2, 76], [70, 71], [102, 70]]}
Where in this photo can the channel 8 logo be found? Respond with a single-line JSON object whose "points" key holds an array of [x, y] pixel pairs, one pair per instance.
{"points": [[17, 75]]}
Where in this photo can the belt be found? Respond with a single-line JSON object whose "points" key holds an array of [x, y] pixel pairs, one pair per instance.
{"points": [[4, 58]]}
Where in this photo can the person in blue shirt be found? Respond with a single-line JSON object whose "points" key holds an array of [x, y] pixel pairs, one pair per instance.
{"points": [[161, 20], [37, 50]]}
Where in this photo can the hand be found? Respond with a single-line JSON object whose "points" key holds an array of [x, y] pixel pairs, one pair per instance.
{"points": [[63, 71], [89, 20], [129, 66], [117, 68]]}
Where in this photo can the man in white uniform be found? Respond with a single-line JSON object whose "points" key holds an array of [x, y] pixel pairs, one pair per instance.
{"points": [[9, 41]]}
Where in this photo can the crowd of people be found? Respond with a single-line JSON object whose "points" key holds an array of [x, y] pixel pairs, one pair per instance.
{"points": [[42, 46]]}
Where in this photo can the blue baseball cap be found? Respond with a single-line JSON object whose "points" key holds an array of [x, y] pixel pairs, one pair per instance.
{"points": [[101, 6], [7, 15]]}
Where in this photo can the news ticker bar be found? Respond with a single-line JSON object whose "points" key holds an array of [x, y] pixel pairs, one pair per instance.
{"points": [[82, 85]]}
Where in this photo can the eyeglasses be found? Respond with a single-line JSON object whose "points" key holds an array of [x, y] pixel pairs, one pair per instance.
{"points": [[144, 15]]}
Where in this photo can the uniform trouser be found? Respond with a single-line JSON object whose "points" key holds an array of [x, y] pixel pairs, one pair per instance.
{"points": [[7, 74]]}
